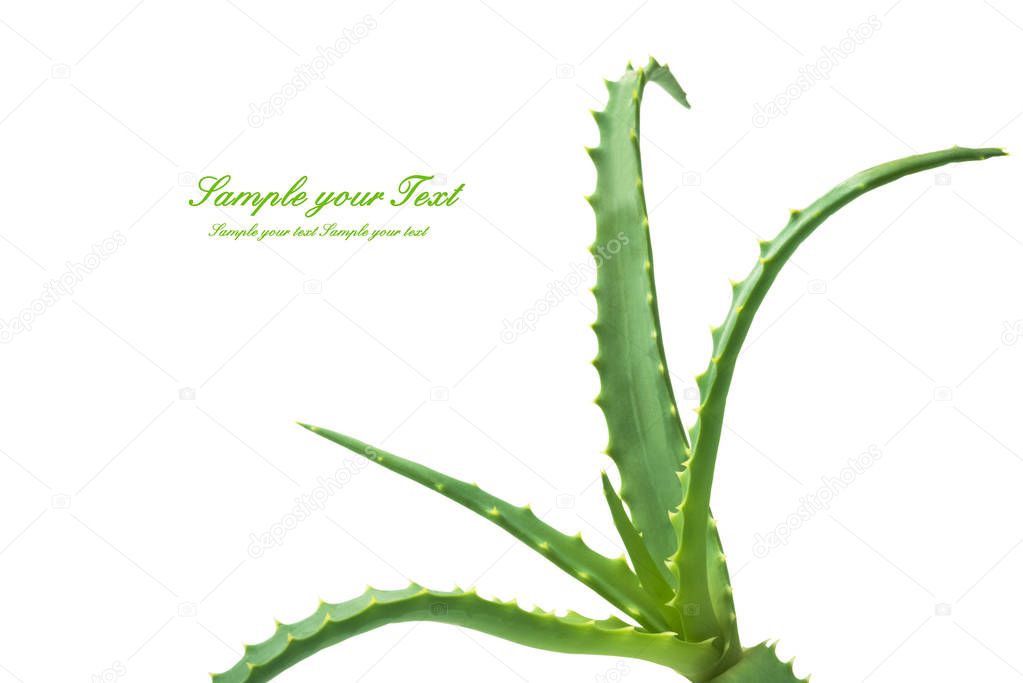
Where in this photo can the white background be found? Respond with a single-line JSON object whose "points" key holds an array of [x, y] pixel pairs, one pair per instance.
{"points": [[128, 511]]}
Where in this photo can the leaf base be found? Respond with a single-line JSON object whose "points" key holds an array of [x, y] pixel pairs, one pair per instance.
{"points": [[759, 664]]}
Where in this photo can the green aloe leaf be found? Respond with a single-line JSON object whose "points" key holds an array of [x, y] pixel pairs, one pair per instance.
{"points": [[646, 439], [653, 575], [695, 599], [760, 664], [573, 633], [610, 578]]}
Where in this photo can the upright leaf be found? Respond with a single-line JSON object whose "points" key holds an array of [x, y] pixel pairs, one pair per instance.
{"points": [[646, 439], [695, 600], [652, 574]]}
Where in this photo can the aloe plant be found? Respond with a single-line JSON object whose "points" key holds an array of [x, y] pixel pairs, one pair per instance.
{"points": [[673, 589]]}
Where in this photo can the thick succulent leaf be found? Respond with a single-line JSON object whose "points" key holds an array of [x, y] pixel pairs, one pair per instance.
{"points": [[646, 439], [760, 664], [610, 578], [719, 585], [653, 575], [694, 598], [573, 633]]}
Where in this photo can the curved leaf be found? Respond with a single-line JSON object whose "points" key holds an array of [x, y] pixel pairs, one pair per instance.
{"points": [[573, 633], [691, 560], [612, 579]]}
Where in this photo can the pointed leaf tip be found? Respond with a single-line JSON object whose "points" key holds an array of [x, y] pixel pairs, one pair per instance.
{"points": [[662, 76]]}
